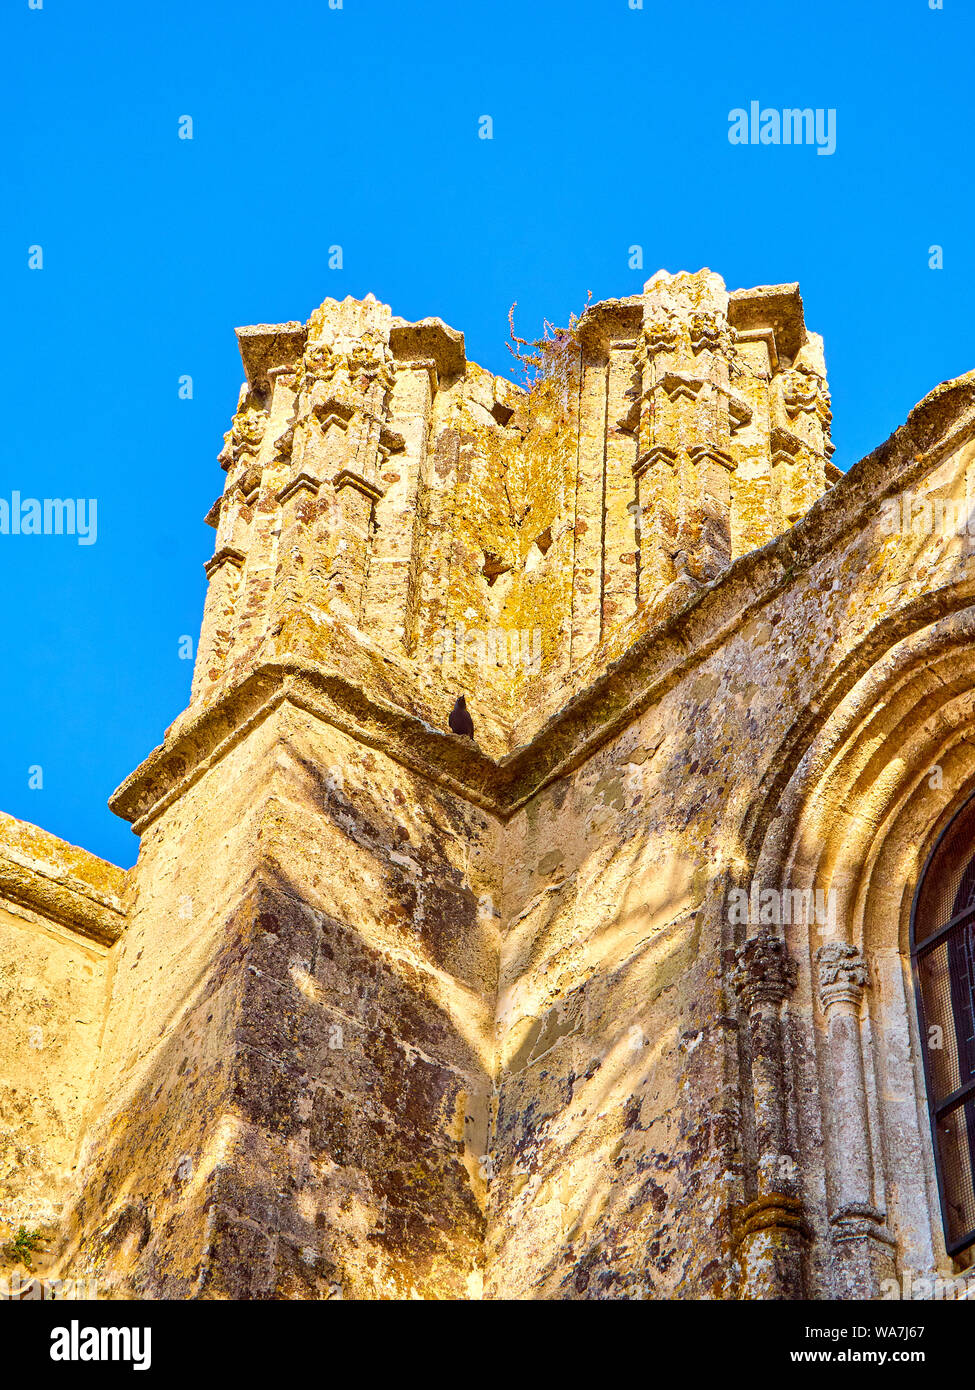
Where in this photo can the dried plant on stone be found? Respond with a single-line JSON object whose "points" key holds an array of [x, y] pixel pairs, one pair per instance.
{"points": [[550, 361]]}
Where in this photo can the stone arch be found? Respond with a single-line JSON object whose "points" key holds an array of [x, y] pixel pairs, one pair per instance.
{"points": [[860, 790]]}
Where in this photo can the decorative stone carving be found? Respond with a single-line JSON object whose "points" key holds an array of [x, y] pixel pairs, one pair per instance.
{"points": [[246, 433], [763, 972], [678, 384], [227, 555], [841, 973], [856, 1220], [303, 482], [347, 478], [248, 484], [701, 453], [707, 333], [659, 336], [659, 453], [804, 392]]}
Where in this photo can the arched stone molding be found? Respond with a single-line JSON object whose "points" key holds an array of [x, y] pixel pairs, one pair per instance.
{"points": [[890, 762]]}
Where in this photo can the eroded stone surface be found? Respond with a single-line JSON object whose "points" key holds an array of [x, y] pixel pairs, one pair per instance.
{"points": [[395, 1014]]}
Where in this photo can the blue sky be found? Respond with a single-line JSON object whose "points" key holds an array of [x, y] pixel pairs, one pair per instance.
{"points": [[358, 126]]}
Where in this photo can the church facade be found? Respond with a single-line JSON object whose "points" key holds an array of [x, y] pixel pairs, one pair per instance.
{"points": [[663, 985]]}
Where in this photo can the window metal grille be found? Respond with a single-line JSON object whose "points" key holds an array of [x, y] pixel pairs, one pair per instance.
{"points": [[943, 959]]}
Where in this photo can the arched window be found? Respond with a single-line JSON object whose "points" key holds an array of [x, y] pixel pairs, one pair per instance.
{"points": [[943, 959]]}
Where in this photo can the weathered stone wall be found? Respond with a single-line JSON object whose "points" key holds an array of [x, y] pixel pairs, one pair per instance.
{"points": [[295, 1075], [59, 910], [162, 1133], [492, 540], [607, 1148], [640, 1148], [380, 906], [398, 1014]]}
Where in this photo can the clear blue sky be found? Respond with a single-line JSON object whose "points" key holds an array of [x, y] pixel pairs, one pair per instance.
{"points": [[358, 126]]}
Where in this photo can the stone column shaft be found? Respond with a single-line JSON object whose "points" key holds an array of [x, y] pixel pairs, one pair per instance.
{"points": [[865, 1248], [771, 1225], [587, 577], [256, 599], [216, 633], [391, 590], [621, 544]]}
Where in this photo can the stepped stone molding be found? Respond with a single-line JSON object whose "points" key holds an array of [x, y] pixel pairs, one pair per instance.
{"points": [[60, 883]]}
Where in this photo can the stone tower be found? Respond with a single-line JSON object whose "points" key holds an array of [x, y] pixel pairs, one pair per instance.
{"points": [[382, 1012]]}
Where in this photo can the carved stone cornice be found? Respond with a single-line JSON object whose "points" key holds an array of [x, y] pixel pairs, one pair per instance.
{"points": [[761, 335], [842, 974], [285, 374], [770, 308], [347, 478], [428, 342], [763, 972], [60, 883], [657, 453], [701, 453], [303, 482], [266, 348], [420, 364], [226, 555]]}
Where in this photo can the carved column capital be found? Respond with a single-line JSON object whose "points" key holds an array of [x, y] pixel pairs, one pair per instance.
{"points": [[858, 1221], [842, 975], [763, 972]]}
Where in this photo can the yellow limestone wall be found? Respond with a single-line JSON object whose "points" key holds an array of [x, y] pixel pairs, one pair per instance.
{"points": [[395, 1014], [60, 910]]}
